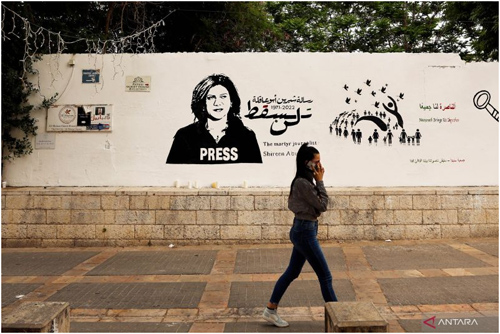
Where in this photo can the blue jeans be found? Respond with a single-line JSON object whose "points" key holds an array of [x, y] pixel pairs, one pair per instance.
{"points": [[303, 235]]}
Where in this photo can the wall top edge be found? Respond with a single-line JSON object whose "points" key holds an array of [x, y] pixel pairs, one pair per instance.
{"points": [[455, 57], [152, 191]]}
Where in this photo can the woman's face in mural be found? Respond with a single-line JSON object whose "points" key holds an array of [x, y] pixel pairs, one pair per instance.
{"points": [[218, 102]]}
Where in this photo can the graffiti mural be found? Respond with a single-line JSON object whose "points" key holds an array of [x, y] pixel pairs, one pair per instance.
{"points": [[239, 119], [482, 101], [377, 106], [218, 134], [284, 111]]}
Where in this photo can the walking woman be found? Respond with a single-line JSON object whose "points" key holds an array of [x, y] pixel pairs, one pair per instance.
{"points": [[306, 200]]}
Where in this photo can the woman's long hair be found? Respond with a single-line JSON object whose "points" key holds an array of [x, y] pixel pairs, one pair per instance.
{"points": [[199, 104], [305, 153]]}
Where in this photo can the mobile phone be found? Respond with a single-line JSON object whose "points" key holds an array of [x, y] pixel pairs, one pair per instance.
{"points": [[311, 165]]}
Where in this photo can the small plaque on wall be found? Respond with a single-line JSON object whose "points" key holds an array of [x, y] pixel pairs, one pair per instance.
{"points": [[138, 84], [45, 141]]}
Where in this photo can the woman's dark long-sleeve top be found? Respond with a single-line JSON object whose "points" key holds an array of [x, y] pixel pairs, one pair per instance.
{"points": [[306, 200]]}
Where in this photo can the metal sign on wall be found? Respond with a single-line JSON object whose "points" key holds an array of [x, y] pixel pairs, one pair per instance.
{"points": [[91, 76], [80, 118]]}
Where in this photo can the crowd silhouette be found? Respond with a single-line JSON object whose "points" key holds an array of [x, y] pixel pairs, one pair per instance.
{"points": [[348, 122]]}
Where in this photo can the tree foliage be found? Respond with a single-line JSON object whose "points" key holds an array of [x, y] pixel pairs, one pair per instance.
{"points": [[477, 22], [17, 124], [467, 28]]}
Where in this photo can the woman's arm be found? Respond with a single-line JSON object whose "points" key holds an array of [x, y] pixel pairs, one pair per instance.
{"points": [[314, 196]]}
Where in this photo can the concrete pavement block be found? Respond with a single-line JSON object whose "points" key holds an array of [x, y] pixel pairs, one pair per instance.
{"points": [[353, 317], [38, 317]]}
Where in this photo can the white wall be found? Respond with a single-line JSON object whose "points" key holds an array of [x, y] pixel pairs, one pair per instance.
{"points": [[459, 153]]}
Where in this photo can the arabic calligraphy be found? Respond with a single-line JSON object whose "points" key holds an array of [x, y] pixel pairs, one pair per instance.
{"points": [[436, 161], [279, 100], [277, 127], [438, 106]]}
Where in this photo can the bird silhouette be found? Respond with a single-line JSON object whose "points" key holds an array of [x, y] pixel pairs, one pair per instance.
{"points": [[346, 87], [368, 82], [359, 91], [373, 93], [383, 89], [348, 100], [401, 95]]}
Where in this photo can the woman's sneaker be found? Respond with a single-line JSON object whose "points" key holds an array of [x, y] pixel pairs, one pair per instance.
{"points": [[273, 317]]}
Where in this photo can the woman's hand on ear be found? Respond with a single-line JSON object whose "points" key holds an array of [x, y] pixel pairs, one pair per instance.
{"points": [[318, 172]]}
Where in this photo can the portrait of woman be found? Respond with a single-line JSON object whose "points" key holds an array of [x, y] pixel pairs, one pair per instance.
{"points": [[217, 135]]}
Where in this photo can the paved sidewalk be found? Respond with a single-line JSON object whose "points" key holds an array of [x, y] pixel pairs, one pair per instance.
{"points": [[224, 288]]}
